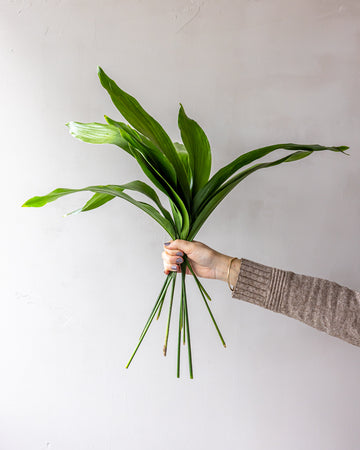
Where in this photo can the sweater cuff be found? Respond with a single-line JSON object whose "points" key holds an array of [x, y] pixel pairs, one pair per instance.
{"points": [[260, 284]]}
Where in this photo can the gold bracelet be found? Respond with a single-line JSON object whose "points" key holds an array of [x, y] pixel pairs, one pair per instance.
{"points": [[228, 273]]}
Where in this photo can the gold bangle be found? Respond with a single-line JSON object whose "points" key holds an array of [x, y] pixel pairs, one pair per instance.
{"points": [[228, 273]]}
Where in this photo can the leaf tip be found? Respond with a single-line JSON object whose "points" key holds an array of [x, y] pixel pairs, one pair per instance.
{"points": [[342, 149], [101, 74], [30, 202]]}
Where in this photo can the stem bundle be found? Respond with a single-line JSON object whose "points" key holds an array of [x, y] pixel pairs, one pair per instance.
{"points": [[184, 327]]}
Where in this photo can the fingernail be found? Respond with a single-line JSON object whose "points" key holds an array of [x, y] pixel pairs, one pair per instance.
{"points": [[179, 254], [179, 260], [167, 243], [173, 267]]}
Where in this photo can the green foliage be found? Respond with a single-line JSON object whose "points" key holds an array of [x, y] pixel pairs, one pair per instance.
{"points": [[197, 145], [181, 171]]}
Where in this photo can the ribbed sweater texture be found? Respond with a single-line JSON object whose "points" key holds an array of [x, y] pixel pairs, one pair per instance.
{"points": [[321, 304]]}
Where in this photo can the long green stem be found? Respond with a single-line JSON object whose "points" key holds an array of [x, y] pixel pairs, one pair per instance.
{"points": [[150, 319], [187, 322], [202, 292], [213, 319], [159, 299], [161, 305], [200, 286], [179, 334], [169, 316], [183, 293]]}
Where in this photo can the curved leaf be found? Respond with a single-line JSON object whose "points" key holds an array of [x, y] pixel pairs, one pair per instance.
{"points": [[177, 217], [95, 201], [227, 171], [165, 187], [114, 190], [198, 147], [224, 191], [185, 159], [148, 149], [143, 188], [97, 133], [135, 114]]}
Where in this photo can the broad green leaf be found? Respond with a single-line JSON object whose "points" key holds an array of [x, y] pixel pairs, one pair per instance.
{"points": [[116, 191], [135, 114], [224, 191], [138, 186], [97, 133], [198, 147], [165, 187], [96, 201], [148, 150], [185, 159], [145, 189], [227, 171], [177, 217]]}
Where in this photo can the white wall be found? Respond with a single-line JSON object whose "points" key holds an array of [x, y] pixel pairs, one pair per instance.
{"points": [[76, 291]]}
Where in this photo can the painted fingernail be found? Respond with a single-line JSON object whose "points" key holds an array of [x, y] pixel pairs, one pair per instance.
{"points": [[179, 260], [179, 254], [173, 267], [166, 243]]}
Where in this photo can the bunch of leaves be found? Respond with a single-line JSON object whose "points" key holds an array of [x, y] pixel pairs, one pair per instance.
{"points": [[181, 171]]}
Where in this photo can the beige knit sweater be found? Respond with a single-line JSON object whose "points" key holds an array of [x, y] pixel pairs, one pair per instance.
{"points": [[322, 304]]}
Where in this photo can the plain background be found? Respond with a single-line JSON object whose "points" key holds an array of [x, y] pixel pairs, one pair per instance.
{"points": [[76, 291]]}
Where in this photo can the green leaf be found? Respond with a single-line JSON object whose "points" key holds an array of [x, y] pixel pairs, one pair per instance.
{"points": [[229, 186], [177, 217], [97, 133], [148, 150], [143, 188], [198, 147], [38, 201], [114, 190], [96, 201], [165, 187], [227, 171], [135, 114], [185, 159]]}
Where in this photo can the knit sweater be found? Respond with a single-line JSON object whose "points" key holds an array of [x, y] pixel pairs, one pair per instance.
{"points": [[322, 304]]}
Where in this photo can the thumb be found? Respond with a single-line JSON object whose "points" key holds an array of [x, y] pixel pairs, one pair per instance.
{"points": [[179, 244]]}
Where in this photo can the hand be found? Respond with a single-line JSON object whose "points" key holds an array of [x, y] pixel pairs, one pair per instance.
{"points": [[205, 262]]}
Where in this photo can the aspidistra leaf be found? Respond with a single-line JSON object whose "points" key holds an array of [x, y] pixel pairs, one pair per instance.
{"points": [[148, 150], [198, 147], [185, 159], [114, 190], [135, 114], [95, 201], [165, 187], [97, 133], [246, 158], [223, 191]]}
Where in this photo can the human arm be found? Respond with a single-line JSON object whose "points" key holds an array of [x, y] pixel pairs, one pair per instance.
{"points": [[321, 304]]}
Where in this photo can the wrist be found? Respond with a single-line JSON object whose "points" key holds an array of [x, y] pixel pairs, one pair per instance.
{"points": [[222, 268], [234, 272]]}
